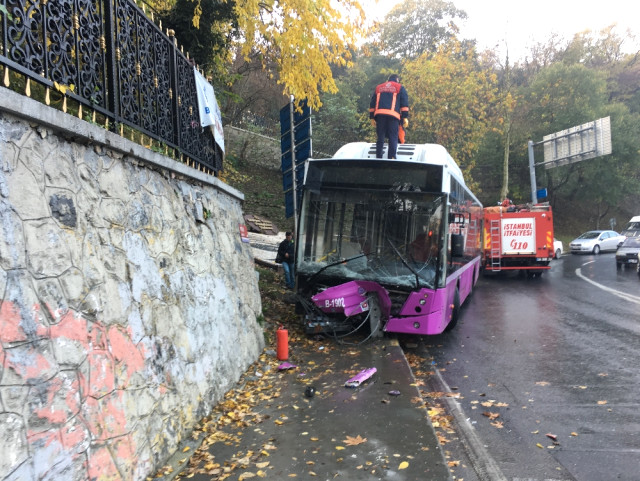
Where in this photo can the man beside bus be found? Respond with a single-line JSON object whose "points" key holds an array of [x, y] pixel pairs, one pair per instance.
{"points": [[389, 106], [286, 256]]}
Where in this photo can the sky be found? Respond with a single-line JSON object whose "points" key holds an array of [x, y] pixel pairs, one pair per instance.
{"points": [[521, 24]]}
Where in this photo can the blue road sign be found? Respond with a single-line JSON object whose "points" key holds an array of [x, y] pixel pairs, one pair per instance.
{"points": [[285, 116], [541, 193], [301, 150]]}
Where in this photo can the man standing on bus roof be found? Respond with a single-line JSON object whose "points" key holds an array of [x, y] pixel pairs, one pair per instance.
{"points": [[389, 106]]}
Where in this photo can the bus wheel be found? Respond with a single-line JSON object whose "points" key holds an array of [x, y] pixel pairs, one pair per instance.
{"points": [[455, 312]]}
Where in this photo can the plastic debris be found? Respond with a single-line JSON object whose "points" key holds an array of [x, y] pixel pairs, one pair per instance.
{"points": [[394, 393], [361, 377], [285, 366]]}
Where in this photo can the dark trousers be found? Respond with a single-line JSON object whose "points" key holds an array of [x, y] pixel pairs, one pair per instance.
{"points": [[387, 127]]}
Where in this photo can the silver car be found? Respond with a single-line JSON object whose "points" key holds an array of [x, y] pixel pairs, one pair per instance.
{"points": [[595, 241]]}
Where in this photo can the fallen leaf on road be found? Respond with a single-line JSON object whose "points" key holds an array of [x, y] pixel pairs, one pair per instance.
{"points": [[491, 415], [351, 441], [403, 465], [540, 445], [574, 434], [552, 436], [542, 383], [497, 424], [602, 402]]}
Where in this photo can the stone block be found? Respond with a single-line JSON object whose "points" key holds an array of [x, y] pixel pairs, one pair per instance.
{"points": [[13, 443], [48, 253]]}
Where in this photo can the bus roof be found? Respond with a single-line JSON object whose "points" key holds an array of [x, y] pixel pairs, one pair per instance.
{"points": [[424, 153]]}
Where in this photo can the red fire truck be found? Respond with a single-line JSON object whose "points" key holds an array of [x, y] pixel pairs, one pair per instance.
{"points": [[518, 238]]}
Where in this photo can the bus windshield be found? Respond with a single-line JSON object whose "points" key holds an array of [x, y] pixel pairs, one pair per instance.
{"points": [[392, 237]]}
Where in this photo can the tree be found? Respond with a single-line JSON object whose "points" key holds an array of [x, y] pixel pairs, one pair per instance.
{"points": [[414, 27], [338, 121], [295, 41], [450, 97], [203, 30], [302, 38]]}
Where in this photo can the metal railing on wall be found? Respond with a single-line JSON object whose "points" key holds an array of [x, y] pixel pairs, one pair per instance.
{"points": [[115, 65]]}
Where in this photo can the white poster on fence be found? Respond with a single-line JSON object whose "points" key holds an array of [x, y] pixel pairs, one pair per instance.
{"points": [[208, 106]]}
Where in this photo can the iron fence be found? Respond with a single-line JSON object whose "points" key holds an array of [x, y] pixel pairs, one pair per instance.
{"points": [[109, 57]]}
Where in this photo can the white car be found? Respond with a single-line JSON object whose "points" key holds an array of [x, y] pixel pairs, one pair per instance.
{"points": [[595, 241], [557, 248]]}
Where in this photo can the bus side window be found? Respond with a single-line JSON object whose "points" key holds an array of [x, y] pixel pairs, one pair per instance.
{"points": [[457, 245]]}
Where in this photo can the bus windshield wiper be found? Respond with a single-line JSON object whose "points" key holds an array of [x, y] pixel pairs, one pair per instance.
{"points": [[405, 263], [335, 263]]}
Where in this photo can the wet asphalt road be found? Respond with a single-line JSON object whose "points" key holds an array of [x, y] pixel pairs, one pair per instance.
{"points": [[557, 355]]}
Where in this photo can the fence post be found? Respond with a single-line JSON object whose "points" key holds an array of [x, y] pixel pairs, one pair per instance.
{"points": [[173, 85], [110, 34]]}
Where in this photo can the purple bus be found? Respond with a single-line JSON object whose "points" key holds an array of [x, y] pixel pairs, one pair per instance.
{"points": [[394, 245]]}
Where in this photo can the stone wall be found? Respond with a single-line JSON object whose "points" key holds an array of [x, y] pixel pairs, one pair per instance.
{"points": [[129, 303]]}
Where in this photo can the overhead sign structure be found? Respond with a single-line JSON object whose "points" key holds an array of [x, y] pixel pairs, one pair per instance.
{"points": [[295, 145], [586, 141], [583, 142]]}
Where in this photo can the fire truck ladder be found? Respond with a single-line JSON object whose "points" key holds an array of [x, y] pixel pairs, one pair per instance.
{"points": [[494, 235]]}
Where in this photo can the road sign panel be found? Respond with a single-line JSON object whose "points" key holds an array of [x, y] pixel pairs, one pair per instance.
{"points": [[582, 142]]}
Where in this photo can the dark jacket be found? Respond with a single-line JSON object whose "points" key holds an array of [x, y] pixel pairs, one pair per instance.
{"points": [[286, 247], [389, 98]]}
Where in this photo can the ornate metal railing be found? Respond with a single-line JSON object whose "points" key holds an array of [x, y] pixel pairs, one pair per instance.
{"points": [[115, 63]]}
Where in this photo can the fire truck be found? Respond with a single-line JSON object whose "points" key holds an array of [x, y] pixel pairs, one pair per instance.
{"points": [[518, 238]]}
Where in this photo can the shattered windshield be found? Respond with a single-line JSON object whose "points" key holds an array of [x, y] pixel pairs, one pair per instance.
{"points": [[391, 237]]}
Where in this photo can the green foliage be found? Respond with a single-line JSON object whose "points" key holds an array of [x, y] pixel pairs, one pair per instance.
{"points": [[450, 96], [415, 27], [338, 121], [203, 28]]}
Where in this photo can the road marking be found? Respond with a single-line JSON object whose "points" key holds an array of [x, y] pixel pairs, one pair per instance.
{"points": [[536, 479], [621, 295], [483, 464]]}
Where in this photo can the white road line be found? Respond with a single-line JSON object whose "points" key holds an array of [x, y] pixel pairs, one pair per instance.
{"points": [[621, 295], [483, 464]]}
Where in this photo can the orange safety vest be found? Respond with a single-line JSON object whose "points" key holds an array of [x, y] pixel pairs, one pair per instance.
{"points": [[389, 98]]}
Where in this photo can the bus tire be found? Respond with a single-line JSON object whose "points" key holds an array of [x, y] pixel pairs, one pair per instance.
{"points": [[455, 312]]}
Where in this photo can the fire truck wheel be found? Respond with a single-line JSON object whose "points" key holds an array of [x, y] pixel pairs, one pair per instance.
{"points": [[455, 312]]}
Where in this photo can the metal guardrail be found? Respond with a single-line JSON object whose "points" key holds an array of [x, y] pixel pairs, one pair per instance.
{"points": [[111, 59]]}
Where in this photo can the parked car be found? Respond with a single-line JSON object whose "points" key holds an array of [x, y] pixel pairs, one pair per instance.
{"points": [[595, 241], [633, 227], [557, 248], [627, 253]]}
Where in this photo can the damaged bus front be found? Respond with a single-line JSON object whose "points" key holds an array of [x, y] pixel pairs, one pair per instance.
{"points": [[393, 245]]}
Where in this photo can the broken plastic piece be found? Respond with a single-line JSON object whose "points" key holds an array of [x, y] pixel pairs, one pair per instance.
{"points": [[394, 393], [361, 377], [285, 365]]}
